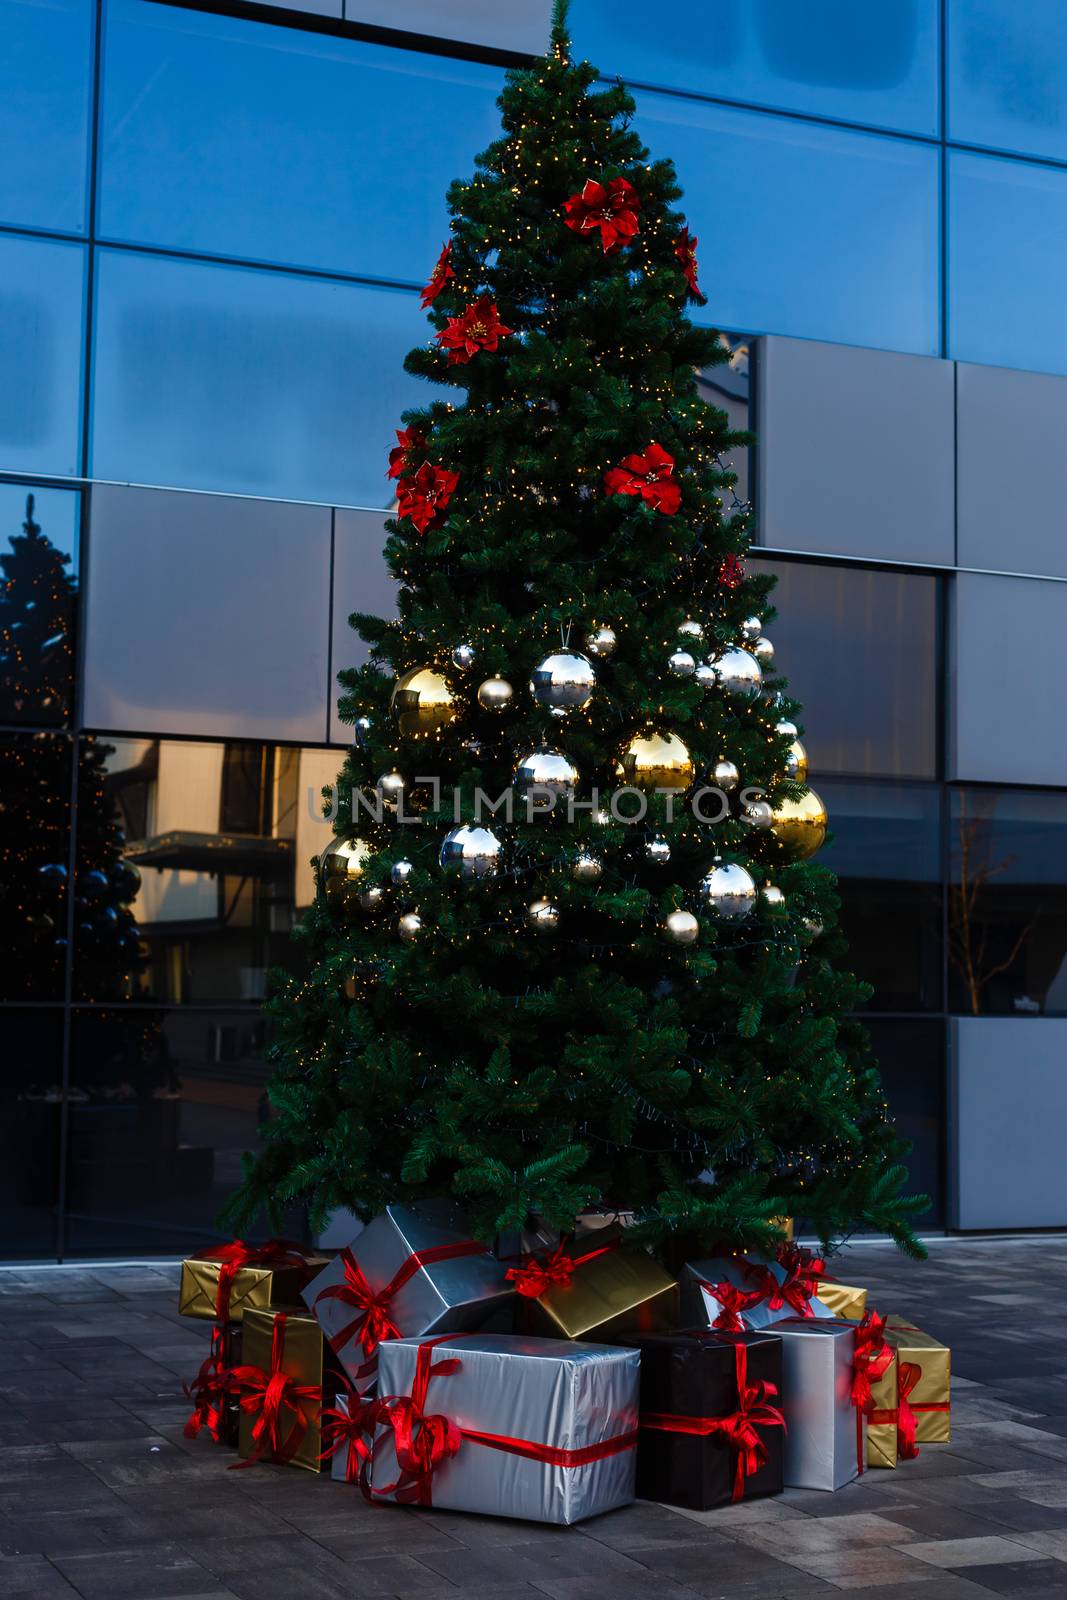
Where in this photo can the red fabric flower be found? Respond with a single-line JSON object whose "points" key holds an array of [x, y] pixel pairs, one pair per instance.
{"points": [[407, 439], [478, 328], [439, 276], [424, 496], [732, 572], [648, 475], [685, 249], [611, 207]]}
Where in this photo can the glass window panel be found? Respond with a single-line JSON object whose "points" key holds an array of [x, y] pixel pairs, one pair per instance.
{"points": [[1008, 902], [31, 1099], [911, 1058], [38, 599], [263, 383], [238, 138], [192, 861], [886, 851], [875, 63], [860, 650], [45, 72], [521, 25], [1007, 244], [1007, 68], [35, 781], [42, 295], [807, 230]]}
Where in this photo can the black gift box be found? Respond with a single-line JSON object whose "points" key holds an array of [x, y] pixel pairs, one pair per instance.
{"points": [[230, 1337], [695, 1375]]}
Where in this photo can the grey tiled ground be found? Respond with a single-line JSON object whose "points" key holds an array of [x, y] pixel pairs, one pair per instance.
{"points": [[100, 1495]]}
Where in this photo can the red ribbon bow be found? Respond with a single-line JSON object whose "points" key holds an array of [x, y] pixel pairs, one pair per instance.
{"points": [[238, 1254], [734, 1303], [271, 1394], [740, 1428], [208, 1391], [536, 1273], [346, 1429], [871, 1360], [908, 1375]]}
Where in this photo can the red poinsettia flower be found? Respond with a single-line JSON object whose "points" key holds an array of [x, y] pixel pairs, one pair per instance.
{"points": [[648, 475], [478, 328], [611, 207], [685, 249], [439, 276], [407, 439], [732, 572], [424, 496]]}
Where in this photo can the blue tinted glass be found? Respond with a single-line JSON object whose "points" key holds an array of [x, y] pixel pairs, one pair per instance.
{"points": [[521, 25], [1007, 246], [44, 112], [237, 138], [1007, 66], [875, 62], [56, 511], [806, 230], [232, 378], [42, 293]]}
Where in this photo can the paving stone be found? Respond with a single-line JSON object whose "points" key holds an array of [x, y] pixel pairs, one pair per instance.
{"points": [[1021, 1578], [984, 1552]]}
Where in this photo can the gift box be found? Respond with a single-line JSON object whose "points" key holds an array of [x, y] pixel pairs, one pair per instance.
{"points": [[538, 1429], [214, 1393], [709, 1429], [828, 1368], [842, 1299], [283, 1381], [220, 1284], [733, 1293], [925, 1389], [594, 1288], [347, 1434], [414, 1269]]}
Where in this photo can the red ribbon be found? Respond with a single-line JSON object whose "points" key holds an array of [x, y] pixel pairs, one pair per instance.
{"points": [[536, 1273], [734, 1303], [234, 1256], [739, 1428], [209, 1390], [270, 1394], [345, 1430], [423, 1442], [374, 1322], [903, 1413], [871, 1360]]}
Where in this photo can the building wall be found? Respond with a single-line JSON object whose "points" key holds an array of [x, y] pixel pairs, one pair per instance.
{"points": [[212, 231]]}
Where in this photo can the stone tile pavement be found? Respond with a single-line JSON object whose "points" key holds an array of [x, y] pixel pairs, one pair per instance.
{"points": [[102, 1497]]}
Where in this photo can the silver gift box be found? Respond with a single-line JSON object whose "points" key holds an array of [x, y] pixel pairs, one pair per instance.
{"points": [[822, 1448], [549, 1391], [699, 1308], [444, 1297]]}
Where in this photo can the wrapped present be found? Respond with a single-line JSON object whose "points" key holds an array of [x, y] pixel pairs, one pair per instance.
{"points": [[733, 1293], [214, 1391], [593, 1288], [710, 1427], [828, 1370], [925, 1398], [282, 1381], [538, 1429], [347, 1435], [221, 1283], [412, 1270], [842, 1299]]}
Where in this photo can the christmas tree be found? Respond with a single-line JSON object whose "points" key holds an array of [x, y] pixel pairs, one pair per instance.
{"points": [[629, 1001]]}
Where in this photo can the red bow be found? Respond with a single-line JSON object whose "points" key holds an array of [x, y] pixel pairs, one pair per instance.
{"points": [[871, 1360], [908, 1375], [270, 1394], [346, 1428], [275, 1253], [537, 1273], [739, 1429], [209, 1390], [734, 1303]]}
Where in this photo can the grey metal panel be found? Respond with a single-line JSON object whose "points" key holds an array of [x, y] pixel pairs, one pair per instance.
{"points": [[1012, 470], [207, 615], [361, 582], [855, 452], [1007, 680], [1010, 1095]]}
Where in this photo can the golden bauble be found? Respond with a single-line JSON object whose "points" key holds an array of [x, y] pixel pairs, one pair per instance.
{"points": [[340, 864], [654, 761], [494, 694], [682, 928], [796, 762], [422, 703], [799, 826]]}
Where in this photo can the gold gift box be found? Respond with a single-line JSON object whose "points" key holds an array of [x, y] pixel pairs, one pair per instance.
{"points": [[882, 1434], [843, 1300], [786, 1225], [253, 1288], [930, 1398], [616, 1295], [303, 1360]]}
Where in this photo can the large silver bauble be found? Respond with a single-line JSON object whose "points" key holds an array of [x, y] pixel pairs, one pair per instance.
{"points": [[691, 630], [771, 895], [601, 642], [763, 650], [548, 771], [729, 891], [705, 675], [725, 776], [401, 871], [542, 916], [658, 851], [681, 927], [563, 682], [463, 656], [758, 814], [587, 868], [682, 664], [738, 674], [785, 729], [390, 786], [410, 926], [472, 852], [494, 694], [751, 629]]}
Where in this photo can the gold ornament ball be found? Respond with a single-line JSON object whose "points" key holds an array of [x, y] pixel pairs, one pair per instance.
{"points": [[409, 927], [542, 916], [340, 864], [494, 694], [422, 703], [799, 826], [681, 928], [654, 761], [601, 642], [796, 762], [587, 868]]}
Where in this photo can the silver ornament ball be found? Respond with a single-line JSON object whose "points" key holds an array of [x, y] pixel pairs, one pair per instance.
{"points": [[691, 630], [463, 656], [494, 694], [657, 851], [758, 814], [738, 674], [728, 891], [547, 771], [587, 868], [786, 729], [472, 852], [401, 871], [563, 682], [390, 786], [372, 897], [705, 675], [681, 928], [601, 642], [725, 776], [542, 916], [751, 629], [682, 664], [771, 895], [410, 926], [763, 650]]}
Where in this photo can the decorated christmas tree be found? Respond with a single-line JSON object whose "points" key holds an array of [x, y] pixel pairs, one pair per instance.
{"points": [[618, 988]]}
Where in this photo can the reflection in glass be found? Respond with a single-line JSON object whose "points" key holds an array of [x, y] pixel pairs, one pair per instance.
{"points": [[911, 1059], [204, 851], [1007, 64], [31, 1098], [38, 594], [35, 782], [729, 387], [44, 112], [1008, 902], [42, 290], [783, 194], [521, 25], [859, 648]]}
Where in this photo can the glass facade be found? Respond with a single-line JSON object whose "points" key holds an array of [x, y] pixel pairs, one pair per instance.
{"points": [[45, 100], [42, 316]]}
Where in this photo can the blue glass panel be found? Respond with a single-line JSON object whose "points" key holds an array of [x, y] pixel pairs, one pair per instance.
{"points": [[807, 230], [233, 378], [1007, 246], [875, 62], [1007, 70], [45, 62], [238, 138], [42, 295], [56, 511], [521, 25]]}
